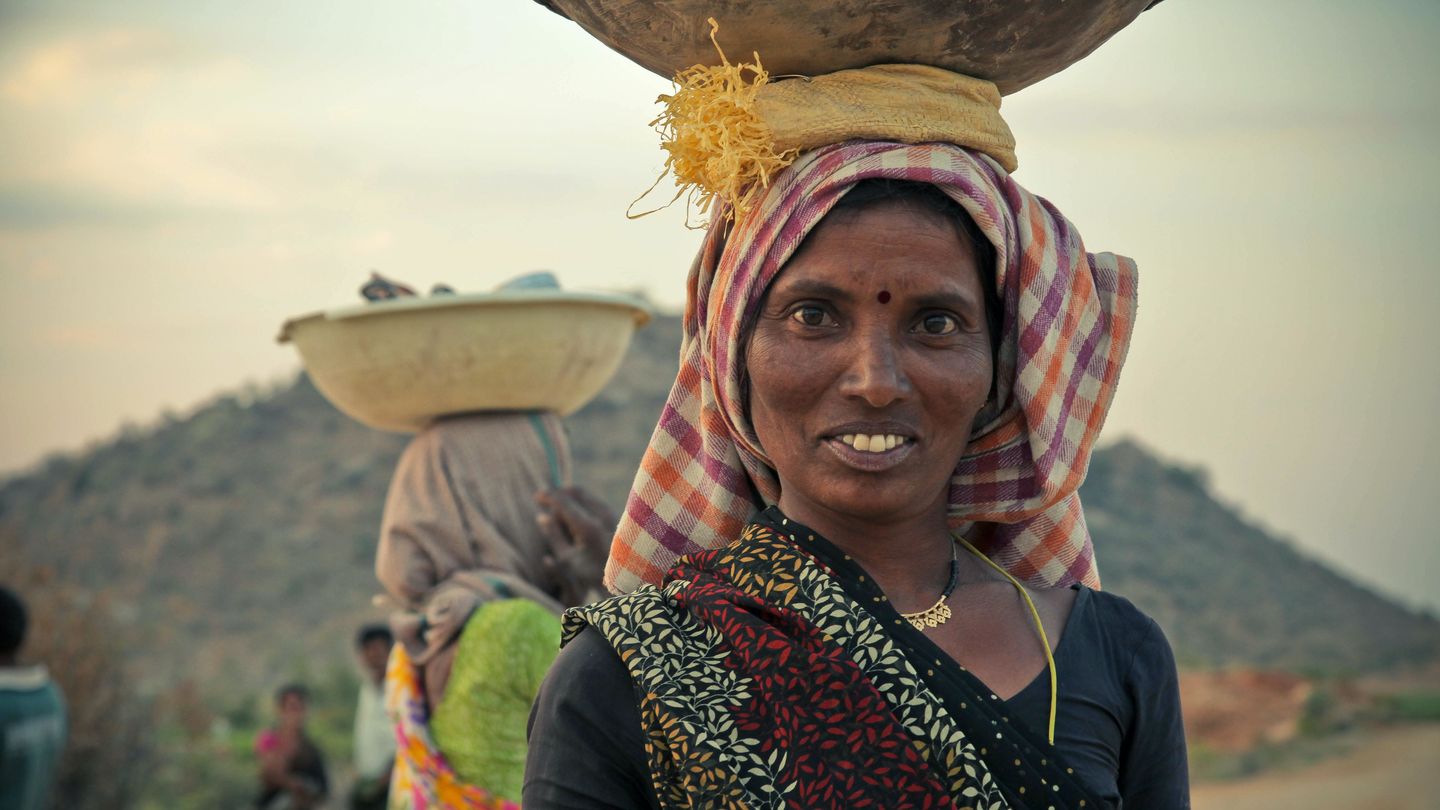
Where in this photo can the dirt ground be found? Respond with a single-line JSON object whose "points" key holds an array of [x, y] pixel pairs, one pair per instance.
{"points": [[1399, 769], [1237, 709]]}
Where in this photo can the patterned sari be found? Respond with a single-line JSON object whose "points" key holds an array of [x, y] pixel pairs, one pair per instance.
{"points": [[772, 672]]}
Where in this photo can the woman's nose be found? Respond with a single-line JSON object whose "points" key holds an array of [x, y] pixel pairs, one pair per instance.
{"points": [[875, 373]]}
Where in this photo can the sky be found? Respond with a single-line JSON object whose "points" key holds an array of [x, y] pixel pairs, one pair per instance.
{"points": [[178, 177]]}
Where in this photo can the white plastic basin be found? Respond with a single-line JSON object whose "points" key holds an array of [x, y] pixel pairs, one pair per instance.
{"points": [[398, 364]]}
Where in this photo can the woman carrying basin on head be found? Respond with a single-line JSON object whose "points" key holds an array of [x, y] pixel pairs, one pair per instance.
{"points": [[896, 363]]}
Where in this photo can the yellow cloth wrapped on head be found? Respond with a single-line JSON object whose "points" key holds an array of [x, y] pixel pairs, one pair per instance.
{"points": [[904, 103], [728, 129]]}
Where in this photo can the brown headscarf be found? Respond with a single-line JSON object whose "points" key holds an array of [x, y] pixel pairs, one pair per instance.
{"points": [[459, 527]]}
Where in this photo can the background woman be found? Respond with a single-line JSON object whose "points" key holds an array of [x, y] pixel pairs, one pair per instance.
{"points": [[481, 543]]}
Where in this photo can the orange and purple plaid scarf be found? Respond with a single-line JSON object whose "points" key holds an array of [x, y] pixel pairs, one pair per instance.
{"points": [[1068, 320]]}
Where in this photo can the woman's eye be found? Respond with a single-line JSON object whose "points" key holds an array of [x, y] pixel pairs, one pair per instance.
{"points": [[938, 323], [810, 316]]}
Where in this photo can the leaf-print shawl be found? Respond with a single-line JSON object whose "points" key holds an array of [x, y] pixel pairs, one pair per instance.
{"points": [[771, 673]]}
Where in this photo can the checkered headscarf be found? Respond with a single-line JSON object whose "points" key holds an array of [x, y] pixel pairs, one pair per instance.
{"points": [[1067, 325]]}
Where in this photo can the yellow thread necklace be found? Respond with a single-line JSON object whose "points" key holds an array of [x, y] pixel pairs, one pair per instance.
{"points": [[1039, 627], [938, 613]]}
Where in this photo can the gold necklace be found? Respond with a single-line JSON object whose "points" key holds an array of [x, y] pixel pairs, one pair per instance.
{"points": [[938, 613]]}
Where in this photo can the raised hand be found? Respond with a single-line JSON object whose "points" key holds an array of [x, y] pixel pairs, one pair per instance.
{"points": [[578, 527]]}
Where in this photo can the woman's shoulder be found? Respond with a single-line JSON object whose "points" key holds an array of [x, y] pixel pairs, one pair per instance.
{"points": [[587, 655], [639, 598], [1118, 612], [1115, 622], [588, 682], [586, 747], [627, 619]]}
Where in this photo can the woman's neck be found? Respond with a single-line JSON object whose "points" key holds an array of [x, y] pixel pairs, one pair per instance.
{"points": [[908, 556]]}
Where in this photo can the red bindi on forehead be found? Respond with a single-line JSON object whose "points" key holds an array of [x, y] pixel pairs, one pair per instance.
{"points": [[883, 297]]}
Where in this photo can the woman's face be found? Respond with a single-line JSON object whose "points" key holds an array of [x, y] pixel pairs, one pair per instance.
{"points": [[868, 363]]}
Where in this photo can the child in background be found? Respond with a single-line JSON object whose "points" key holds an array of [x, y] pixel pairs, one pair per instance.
{"points": [[292, 769], [374, 734]]}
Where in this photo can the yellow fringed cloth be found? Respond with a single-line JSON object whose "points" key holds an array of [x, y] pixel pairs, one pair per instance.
{"points": [[904, 103], [728, 128]]}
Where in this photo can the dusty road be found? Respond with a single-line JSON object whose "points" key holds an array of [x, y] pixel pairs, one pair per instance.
{"points": [[1399, 769]]}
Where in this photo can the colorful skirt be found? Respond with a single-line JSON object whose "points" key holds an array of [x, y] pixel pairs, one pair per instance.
{"points": [[423, 779]]}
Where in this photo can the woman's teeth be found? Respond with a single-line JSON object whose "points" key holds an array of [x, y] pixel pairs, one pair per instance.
{"points": [[873, 444]]}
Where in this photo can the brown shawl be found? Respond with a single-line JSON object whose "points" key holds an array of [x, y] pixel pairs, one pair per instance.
{"points": [[459, 526]]}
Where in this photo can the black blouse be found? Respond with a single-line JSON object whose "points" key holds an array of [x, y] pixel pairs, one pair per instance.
{"points": [[1118, 722]]}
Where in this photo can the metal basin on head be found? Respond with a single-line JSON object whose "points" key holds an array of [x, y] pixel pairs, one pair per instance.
{"points": [[398, 365], [1009, 42]]}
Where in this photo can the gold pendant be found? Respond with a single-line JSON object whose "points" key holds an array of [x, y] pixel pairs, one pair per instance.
{"points": [[933, 616]]}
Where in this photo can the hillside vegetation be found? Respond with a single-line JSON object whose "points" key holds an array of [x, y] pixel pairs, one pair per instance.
{"points": [[236, 543]]}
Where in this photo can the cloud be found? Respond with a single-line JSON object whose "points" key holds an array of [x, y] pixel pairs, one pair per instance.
{"points": [[113, 126], [308, 170], [70, 68], [42, 209], [76, 336]]}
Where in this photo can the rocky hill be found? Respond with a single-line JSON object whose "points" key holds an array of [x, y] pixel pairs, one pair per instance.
{"points": [[1226, 591], [236, 542]]}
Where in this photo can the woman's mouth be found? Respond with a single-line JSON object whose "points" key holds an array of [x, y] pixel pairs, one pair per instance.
{"points": [[872, 443], [870, 452]]}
